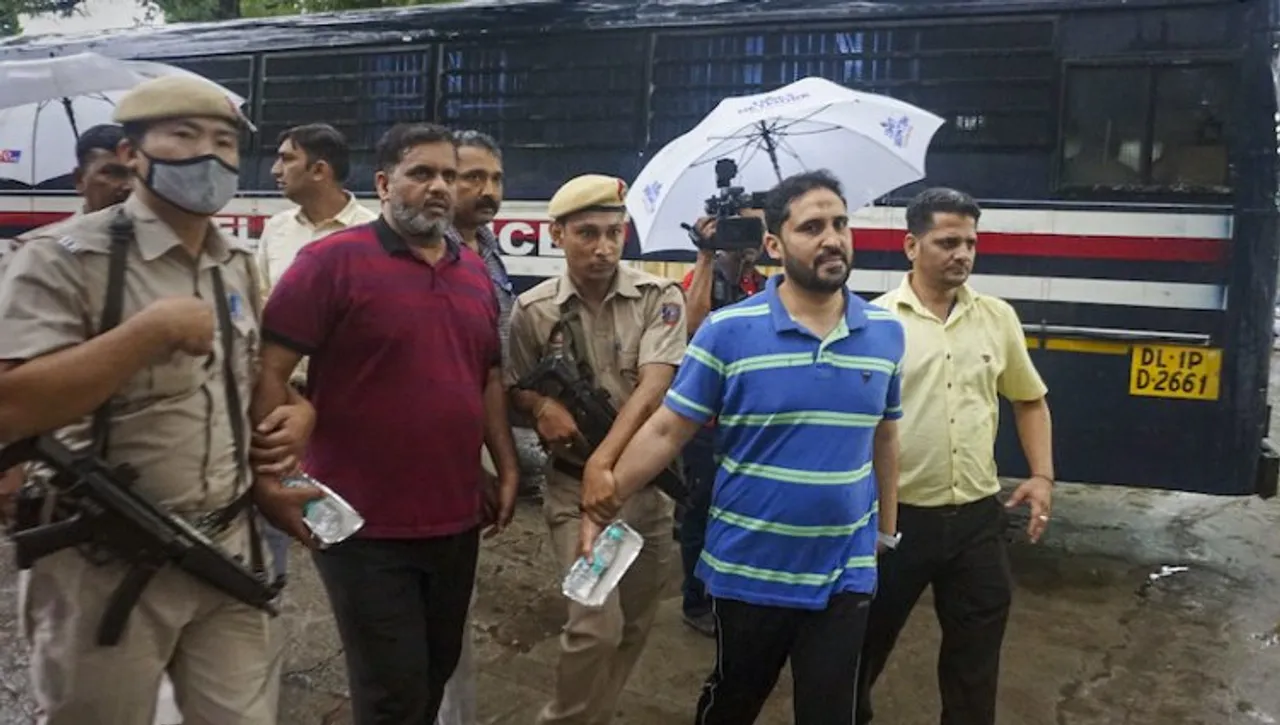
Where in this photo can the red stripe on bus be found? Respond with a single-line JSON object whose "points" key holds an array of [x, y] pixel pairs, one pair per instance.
{"points": [[1013, 244], [1071, 246]]}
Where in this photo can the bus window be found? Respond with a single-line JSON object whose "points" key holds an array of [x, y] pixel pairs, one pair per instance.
{"points": [[992, 81], [1191, 104], [361, 94], [1148, 128], [559, 106], [692, 73]]}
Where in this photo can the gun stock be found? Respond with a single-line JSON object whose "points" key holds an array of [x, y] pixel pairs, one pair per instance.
{"points": [[40, 541]]}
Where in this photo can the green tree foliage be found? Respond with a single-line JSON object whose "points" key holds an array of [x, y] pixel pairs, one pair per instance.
{"points": [[184, 11], [12, 10]]}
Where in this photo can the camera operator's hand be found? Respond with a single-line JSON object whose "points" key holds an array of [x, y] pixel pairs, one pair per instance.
{"points": [[701, 233]]}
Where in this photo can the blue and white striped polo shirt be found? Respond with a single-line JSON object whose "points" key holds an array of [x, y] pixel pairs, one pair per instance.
{"points": [[794, 510]]}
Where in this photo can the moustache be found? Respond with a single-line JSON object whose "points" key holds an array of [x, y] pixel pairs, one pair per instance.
{"points": [[829, 257], [487, 203]]}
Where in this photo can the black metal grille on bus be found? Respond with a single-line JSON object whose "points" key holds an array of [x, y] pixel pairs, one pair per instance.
{"points": [[559, 107], [992, 82], [234, 72], [361, 94]]}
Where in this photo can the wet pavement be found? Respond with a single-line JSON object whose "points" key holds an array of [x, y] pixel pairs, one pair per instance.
{"points": [[1140, 607]]}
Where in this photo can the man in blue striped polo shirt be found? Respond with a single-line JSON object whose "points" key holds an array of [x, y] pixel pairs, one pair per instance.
{"points": [[803, 382]]}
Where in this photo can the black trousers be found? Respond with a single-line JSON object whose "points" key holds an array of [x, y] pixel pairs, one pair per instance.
{"points": [[754, 642], [401, 608], [960, 552]]}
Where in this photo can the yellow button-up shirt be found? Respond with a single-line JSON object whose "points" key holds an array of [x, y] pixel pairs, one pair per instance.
{"points": [[286, 233], [952, 372]]}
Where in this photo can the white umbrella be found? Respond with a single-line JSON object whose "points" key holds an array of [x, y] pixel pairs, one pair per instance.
{"points": [[873, 144], [38, 128]]}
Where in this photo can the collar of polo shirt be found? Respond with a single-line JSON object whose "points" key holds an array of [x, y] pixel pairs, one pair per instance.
{"points": [[854, 316], [394, 244]]}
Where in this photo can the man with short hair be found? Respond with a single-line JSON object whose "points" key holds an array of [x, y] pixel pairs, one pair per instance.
{"points": [[964, 349], [100, 177], [101, 180], [628, 328], [401, 326], [172, 386], [802, 380], [311, 166]]}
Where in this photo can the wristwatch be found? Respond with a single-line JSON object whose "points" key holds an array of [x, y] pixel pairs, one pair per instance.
{"points": [[890, 541]]}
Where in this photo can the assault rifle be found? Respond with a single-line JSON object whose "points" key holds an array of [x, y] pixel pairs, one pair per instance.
{"points": [[99, 507], [556, 377]]}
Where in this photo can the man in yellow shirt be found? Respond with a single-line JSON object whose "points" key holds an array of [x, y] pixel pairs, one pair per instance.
{"points": [[963, 350]]}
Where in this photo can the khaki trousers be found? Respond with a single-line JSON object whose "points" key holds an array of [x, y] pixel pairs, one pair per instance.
{"points": [[224, 657], [600, 646]]}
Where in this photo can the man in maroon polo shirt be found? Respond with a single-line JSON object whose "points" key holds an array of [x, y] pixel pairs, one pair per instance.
{"points": [[401, 327]]}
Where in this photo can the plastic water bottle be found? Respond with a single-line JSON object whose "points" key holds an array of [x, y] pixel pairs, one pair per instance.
{"points": [[590, 582], [331, 518]]}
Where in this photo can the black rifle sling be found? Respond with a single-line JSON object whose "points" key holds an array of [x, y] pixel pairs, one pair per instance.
{"points": [[236, 413], [121, 231]]}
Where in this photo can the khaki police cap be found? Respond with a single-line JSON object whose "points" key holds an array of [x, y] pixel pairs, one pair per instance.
{"points": [[590, 191], [177, 96]]}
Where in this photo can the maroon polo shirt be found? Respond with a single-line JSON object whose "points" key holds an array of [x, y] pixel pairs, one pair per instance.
{"points": [[400, 352]]}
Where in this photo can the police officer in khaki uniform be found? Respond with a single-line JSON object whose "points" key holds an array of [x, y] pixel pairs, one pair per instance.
{"points": [[629, 327], [160, 374]]}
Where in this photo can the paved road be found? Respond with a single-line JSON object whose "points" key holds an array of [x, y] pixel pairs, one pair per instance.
{"points": [[1097, 636]]}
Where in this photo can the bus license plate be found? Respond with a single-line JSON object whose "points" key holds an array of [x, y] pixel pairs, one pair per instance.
{"points": [[1189, 373]]}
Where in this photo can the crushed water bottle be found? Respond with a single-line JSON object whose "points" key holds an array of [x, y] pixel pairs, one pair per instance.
{"points": [[331, 518], [615, 549]]}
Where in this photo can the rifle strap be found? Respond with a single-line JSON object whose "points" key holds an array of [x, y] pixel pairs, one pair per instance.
{"points": [[123, 600], [235, 412], [121, 231], [571, 319]]}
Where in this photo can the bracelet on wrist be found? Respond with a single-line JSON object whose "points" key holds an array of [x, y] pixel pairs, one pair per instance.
{"points": [[1041, 476]]}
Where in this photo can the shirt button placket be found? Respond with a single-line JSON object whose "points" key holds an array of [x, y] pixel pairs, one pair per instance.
{"points": [[952, 404]]}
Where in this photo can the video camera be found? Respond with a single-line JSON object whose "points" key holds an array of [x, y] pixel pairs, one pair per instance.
{"points": [[733, 231]]}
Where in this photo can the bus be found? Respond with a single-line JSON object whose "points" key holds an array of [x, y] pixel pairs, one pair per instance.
{"points": [[1125, 154]]}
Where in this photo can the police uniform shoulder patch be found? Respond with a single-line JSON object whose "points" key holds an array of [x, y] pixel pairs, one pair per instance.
{"points": [[670, 313]]}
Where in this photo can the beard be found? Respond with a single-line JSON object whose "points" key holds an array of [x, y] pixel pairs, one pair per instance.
{"points": [[812, 279], [418, 223]]}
